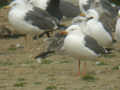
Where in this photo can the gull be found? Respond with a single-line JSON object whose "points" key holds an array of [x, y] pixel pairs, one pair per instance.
{"points": [[28, 19], [61, 7], [75, 43], [105, 10]]}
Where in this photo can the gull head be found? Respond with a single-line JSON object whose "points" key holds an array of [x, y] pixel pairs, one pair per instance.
{"points": [[92, 13], [83, 2]]}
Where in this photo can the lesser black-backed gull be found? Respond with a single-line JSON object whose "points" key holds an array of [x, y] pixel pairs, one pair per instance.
{"points": [[98, 30], [82, 46], [75, 43], [60, 7], [28, 19], [105, 10]]}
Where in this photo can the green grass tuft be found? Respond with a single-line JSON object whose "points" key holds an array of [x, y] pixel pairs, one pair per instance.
{"points": [[5, 63], [12, 49], [19, 84], [109, 55], [64, 62], [51, 88], [21, 79], [89, 78], [116, 67], [46, 61], [37, 83], [101, 63]]}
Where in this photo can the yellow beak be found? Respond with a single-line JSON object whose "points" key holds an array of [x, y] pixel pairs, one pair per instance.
{"points": [[7, 7], [82, 14], [64, 32]]}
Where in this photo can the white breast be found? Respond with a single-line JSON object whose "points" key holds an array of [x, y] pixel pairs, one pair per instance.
{"points": [[16, 19], [96, 30], [117, 31], [74, 45]]}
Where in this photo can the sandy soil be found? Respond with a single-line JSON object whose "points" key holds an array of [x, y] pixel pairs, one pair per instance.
{"points": [[18, 69]]}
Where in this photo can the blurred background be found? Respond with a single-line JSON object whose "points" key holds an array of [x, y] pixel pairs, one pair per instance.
{"points": [[5, 2]]}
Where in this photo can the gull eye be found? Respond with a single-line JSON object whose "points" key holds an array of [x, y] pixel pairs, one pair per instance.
{"points": [[90, 18]]}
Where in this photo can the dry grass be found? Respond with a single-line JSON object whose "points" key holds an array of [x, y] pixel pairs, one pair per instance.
{"points": [[18, 70]]}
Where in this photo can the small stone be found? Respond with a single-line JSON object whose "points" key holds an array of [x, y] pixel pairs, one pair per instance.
{"points": [[97, 63], [39, 60], [18, 45]]}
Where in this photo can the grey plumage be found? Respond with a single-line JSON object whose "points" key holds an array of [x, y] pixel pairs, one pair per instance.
{"points": [[109, 24], [41, 19], [56, 42], [68, 9], [107, 13], [92, 44]]}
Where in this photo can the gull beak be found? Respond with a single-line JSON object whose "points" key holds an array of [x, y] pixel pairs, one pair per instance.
{"points": [[7, 7], [82, 14], [64, 32]]}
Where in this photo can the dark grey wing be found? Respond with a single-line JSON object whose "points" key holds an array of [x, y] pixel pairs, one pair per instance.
{"points": [[92, 44], [108, 22], [108, 14], [41, 19], [54, 45], [68, 9], [56, 42], [106, 4], [54, 10]]}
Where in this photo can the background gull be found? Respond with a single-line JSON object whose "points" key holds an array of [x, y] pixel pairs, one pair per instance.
{"points": [[65, 7], [107, 13], [99, 32], [105, 9], [28, 19]]}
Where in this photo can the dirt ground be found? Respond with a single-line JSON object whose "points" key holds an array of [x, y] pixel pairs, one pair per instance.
{"points": [[18, 69]]}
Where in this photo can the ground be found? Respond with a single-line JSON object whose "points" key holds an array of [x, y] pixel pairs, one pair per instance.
{"points": [[18, 69]]}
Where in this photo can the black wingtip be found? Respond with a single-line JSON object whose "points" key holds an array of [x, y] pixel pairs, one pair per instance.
{"points": [[43, 54]]}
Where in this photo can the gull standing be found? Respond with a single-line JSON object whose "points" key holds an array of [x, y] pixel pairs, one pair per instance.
{"points": [[75, 43], [105, 10], [98, 30], [28, 19]]}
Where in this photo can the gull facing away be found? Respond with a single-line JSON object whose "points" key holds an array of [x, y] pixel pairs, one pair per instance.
{"points": [[28, 19]]}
